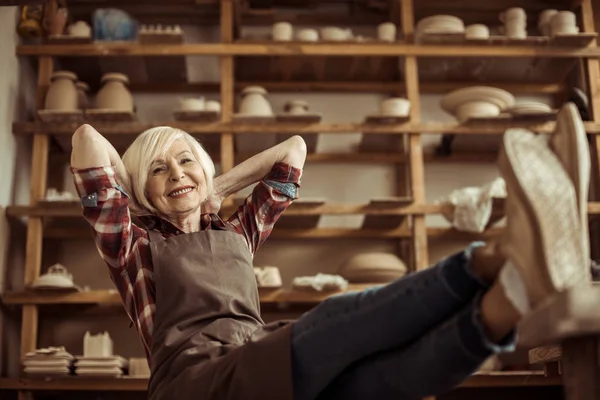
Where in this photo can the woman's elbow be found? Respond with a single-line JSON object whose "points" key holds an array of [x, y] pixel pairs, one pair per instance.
{"points": [[84, 134], [296, 154]]}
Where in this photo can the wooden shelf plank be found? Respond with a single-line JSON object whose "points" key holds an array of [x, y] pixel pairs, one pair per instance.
{"points": [[300, 49], [134, 128], [71, 209], [478, 380]]}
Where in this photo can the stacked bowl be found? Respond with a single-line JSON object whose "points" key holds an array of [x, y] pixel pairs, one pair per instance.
{"points": [[476, 102], [440, 24]]}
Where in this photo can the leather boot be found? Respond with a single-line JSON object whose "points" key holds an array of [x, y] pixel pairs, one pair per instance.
{"points": [[569, 143], [543, 237]]}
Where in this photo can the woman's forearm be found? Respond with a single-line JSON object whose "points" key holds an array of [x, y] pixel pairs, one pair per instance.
{"points": [[91, 150], [252, 170]]}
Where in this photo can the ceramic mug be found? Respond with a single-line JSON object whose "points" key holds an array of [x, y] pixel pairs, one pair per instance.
{"points": [[282, 31], [387, 32], [395, 106], [308, 35]]}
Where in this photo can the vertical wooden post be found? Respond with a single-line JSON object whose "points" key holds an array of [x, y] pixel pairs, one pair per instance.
{"points": [[416, 166], [35, 228], [227, 90]]}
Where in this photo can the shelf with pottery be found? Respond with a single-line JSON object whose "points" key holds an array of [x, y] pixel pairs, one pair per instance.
{"points": [[75, 383]]}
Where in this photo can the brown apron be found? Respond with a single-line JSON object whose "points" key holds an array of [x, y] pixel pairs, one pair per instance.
{"points": [[209, 341]]}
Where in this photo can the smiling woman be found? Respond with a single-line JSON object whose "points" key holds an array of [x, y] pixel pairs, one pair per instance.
{"points": [[187, 281]]}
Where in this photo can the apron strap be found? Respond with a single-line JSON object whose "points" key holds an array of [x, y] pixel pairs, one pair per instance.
{"points": [[153, 236]]}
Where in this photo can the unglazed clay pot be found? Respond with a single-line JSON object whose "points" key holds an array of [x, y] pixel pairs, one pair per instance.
{"points": [[82, 94], [372, 267], [254, 102], [114, 94], [62, 93]]}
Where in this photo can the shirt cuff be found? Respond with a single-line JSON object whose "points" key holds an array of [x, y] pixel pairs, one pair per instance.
{"points": [[284, 173], [90, 181]]}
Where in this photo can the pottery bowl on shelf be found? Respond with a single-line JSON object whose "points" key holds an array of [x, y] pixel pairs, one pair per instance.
{"points": [[476, 109], [501, 98]]}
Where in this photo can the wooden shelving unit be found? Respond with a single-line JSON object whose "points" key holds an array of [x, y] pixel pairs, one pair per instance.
{"points": [[405, 68]]}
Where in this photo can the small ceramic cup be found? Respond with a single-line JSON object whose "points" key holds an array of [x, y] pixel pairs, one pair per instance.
{"points": [[282, 31], [192, 104], [513, 14], [386, 32], [296, 107]]}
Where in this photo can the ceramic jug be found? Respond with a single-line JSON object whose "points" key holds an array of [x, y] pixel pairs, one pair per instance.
{"points": [[114, 94], [62, 93], [254, 102]]}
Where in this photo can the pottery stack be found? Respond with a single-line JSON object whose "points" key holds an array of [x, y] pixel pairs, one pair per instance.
{"points": [[48, 361], [98, 358]]}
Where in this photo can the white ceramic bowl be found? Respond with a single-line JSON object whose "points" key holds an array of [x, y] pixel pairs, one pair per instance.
{"points": [[499, 97]]}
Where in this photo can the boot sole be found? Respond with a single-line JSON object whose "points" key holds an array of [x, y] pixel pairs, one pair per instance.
{"points": [[553, 205], [576, 148]]}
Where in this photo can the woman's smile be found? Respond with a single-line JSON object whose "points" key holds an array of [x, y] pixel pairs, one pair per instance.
{"points": [[181, 192]]}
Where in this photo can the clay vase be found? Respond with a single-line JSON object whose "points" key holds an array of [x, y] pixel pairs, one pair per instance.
{"points": [[254, 102], [55, 22], [114, 94], [82, 94], [62, 93]]}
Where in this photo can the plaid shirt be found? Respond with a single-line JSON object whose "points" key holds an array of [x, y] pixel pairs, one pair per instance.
{"points": [[125, 247]]}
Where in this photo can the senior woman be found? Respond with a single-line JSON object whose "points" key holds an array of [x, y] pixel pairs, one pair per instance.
{"points": [[186, 280]]}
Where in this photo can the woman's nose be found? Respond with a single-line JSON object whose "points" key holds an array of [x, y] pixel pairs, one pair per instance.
{"points": [[176, 174]]}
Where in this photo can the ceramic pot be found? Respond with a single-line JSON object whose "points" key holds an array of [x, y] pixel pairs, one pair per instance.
{"points": [[80, 29], [334, 33], [62, 93], [82, 94], [100, 345], [114, 94], [307, 35], [386, 32], [55, 23], [544, 21], [472, 109], [212, 105], [477, 31], [296, 107], [283, 31], [396, 107], [254, 102], [512, 14], [192, 104]]}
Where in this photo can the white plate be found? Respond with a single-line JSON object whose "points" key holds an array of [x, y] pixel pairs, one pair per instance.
{"points": [[501, 98]]}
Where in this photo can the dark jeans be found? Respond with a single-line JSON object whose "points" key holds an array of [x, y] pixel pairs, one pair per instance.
{"points": [[417, 336]]}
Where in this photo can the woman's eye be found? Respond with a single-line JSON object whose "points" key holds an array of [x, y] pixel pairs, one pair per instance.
{"points": [[186, 160], [158, 170]]}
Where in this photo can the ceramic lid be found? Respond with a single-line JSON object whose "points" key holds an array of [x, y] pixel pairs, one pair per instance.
{"points": [[115, 76], [254, 89], [64, 74]]}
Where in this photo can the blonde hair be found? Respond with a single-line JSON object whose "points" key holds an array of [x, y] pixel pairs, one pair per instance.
{"points": [[149, 146]]}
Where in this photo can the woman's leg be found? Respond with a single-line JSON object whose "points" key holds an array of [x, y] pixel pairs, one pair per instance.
{"points": [[349, 327], [438, 361]]}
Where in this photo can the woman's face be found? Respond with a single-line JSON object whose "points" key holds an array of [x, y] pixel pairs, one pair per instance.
{"points": [[176, 182]]}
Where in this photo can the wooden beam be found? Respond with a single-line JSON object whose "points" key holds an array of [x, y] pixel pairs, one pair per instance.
{"points": [[344, 87], [134, 128], [303, 49]]}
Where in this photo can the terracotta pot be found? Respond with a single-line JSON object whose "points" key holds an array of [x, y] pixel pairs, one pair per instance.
{"points": [[114, 94], [82, 94], [62, 93]]}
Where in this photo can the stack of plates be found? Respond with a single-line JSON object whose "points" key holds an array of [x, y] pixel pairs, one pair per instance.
{"points": [[48, 361], [529, 107], [440, 24], [111, 366]]}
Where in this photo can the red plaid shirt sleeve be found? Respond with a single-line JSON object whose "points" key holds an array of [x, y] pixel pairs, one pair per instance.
{"points": [[262, 208], [122, 245]]}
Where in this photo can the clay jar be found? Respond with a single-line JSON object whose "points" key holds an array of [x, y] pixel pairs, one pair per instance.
{"points": [[114, 94], [62, 93], [82, 94], [254, 102]]}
